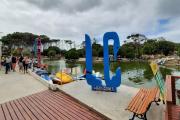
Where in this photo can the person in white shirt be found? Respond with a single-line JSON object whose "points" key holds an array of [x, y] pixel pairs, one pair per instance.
{"points": [[7, 64]]}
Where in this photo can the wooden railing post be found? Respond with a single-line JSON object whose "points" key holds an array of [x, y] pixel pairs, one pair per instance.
{"points": [[173, 87], [170, 89]]}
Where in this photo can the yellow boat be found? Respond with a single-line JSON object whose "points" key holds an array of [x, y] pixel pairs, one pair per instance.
{"points": [[64, 77]]}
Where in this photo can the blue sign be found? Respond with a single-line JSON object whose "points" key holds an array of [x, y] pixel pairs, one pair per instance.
{"points": [[111, 84]]}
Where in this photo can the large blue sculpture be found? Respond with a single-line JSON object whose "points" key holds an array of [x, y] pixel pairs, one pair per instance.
{"points": [[96, 83]]}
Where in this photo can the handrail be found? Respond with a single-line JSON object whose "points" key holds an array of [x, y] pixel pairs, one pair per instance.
{"points": [[176, 77]]}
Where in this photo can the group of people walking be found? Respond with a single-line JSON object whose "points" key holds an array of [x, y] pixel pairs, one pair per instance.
{"points": [[10, 63]]}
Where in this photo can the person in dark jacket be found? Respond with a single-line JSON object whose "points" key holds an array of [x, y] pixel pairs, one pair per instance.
{"points": [[13, 63], [20, 63]]}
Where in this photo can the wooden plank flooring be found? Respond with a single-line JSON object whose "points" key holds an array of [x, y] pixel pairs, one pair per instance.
{"points": [[47, 105], [174, 113]]}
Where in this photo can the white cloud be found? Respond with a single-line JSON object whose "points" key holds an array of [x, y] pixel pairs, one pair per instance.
{"points": [[69, 19]]}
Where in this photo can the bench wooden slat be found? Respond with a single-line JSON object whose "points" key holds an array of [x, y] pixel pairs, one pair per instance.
{"points": [[144, 103], [150, 97], [140, 103], [133, 104], [137, 100], [134, 99]]}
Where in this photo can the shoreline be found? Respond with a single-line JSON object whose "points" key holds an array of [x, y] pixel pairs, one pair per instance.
{"points": [[173, 63]]}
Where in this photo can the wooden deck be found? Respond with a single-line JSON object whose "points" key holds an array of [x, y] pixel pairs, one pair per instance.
{"points": [[172, 111], [47, 105]]}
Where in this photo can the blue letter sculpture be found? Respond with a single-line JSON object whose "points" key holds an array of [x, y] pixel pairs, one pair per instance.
{"points": [[96, 83]]}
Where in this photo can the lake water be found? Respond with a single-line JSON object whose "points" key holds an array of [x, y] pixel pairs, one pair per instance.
{"points": [[135, 74]]}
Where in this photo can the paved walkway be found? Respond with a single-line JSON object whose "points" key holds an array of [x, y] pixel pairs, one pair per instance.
{"points": [[15, 85]]}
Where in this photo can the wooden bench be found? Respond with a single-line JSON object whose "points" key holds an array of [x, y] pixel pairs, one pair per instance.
{"points": [[141, 103]]}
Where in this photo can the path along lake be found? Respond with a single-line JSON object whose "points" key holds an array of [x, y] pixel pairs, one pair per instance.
{"points": [[135, 74]]}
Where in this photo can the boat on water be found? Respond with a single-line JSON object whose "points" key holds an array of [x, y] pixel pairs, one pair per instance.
{"points": [[62, 78], [83, 76], [58, 78], [47, 78], [40, 72], [161, 61], [44, 75]]}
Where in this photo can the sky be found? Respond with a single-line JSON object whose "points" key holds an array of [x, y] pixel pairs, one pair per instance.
{"points": [[72, 19]]}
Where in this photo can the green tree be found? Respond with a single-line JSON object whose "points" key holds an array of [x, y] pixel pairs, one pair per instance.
{"points": [[55, 48], [16, 52], [137, 40], [166, 47], [51, 53], [45, 52], [100, 52], [150, 47], [62, 52], [177, 46], [110, 47], [72, 54], [96, 49], [19, 39], [81, 52], [178, 52], [127, 50], [26, 53]]}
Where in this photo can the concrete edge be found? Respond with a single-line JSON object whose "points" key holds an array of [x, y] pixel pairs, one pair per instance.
{"points": [[45, 83]]}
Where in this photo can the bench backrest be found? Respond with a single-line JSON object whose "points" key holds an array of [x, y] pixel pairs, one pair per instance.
{"points": [[159, 78]]}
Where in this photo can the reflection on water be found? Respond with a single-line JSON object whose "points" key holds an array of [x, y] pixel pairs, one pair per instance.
{"points": [[136, 74], [55, 66]]}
